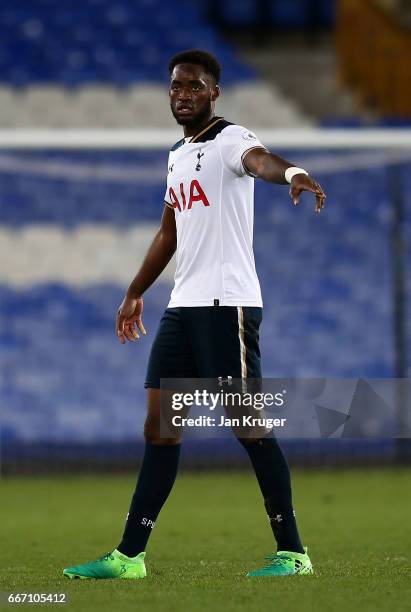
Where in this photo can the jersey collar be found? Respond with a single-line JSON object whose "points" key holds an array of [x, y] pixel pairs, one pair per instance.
{"points": [[205, 129]]}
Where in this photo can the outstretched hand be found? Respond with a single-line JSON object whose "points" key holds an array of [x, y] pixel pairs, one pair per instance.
{"points": [[128, 317], [304, 182]]}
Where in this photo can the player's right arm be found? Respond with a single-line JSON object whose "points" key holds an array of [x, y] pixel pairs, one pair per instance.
{"points": [[158, 256]]}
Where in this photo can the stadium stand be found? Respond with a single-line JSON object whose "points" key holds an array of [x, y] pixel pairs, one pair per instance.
{"points": [[75, 224], [99, 64], [279, 14], [85, 219], [100, 41]]}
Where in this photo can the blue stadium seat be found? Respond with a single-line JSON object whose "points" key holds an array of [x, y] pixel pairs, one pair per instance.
{"points": [[90, 41], [239, 13], [290, 13], [320, 275]]}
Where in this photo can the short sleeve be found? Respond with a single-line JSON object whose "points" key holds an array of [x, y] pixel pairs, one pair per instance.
{"points": [[167, 195], [167, 199], [235, 141]]}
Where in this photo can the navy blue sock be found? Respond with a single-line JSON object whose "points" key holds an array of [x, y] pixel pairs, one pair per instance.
{"points": [[157, 475], [273, 476]]}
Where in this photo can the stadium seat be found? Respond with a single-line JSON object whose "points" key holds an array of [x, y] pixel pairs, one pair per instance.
{"points": [[102, 43], [95, 212]]}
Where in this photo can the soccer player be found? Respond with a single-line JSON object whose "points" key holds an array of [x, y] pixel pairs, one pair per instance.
{"points": [[210, 327]]}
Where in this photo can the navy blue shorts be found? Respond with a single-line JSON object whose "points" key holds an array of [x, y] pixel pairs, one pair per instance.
{"points": [[206, 342]]}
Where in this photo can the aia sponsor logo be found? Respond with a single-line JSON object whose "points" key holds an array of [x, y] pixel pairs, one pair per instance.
{"points": [[185, 198]]}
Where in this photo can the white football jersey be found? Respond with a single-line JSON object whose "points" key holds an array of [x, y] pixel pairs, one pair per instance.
{"points": [[213, 200]]}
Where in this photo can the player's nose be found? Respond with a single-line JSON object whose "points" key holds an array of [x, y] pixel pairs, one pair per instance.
{"points": [[184, 94]]}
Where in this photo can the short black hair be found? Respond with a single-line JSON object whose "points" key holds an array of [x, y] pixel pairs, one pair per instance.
{"points": [[201, 58]]}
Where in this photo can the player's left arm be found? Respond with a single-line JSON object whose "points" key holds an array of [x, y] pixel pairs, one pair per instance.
{"points": [[269, 167]]}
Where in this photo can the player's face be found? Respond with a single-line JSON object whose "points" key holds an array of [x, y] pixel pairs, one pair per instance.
{"points": [[192, 94]]}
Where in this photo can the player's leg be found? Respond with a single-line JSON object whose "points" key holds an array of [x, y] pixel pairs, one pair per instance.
{"points": [[273, 475], [170, 358], [155, 481], [226, 343]]}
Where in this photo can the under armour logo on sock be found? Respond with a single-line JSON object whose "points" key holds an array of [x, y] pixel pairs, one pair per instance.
{"points": [[277, 518]]}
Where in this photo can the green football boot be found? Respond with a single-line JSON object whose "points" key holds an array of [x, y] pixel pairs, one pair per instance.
{"points": [[285, 563], [111, 565]]}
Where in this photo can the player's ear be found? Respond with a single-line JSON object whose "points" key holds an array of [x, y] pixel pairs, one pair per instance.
{"points": [[215, 92]]}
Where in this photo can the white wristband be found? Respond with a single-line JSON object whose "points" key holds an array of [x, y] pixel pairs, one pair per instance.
{"points": [[292, 171]]}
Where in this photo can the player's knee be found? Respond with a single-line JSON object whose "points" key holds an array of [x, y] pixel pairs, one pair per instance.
{"points": [[151, 430], [152, 434]]}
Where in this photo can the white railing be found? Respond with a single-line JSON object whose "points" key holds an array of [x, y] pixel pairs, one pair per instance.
{"points": [[310, 138]]}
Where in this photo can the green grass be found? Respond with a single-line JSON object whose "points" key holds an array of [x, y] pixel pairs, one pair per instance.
{"points": [[212, 530]]}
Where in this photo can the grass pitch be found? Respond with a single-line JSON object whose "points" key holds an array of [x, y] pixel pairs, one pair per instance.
{"points": [[212, 530]]}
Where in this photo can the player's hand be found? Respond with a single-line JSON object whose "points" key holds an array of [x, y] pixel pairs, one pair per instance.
{"points": [[302, 182], [128, 317]]}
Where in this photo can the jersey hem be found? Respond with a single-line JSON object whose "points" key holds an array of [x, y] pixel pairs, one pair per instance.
{"points": [[210, 302]]}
